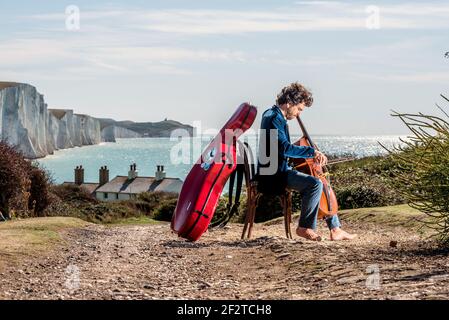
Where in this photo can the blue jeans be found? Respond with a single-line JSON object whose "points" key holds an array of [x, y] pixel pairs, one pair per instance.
{"points": [[310, 189]]}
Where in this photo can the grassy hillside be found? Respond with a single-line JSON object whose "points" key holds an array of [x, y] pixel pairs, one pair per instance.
{"points": [[32, 237], [400, 215], [393, 216]]}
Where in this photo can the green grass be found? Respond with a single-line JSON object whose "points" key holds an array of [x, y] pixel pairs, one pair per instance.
{"points": [[142, 220], [400, 215], [31, 237], [395, 216], [28, 238]]}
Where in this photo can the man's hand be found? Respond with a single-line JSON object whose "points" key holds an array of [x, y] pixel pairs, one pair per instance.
{"points": [[320, 157]]}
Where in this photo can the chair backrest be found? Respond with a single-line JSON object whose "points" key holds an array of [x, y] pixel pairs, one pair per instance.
{"points": [[246, 157], [268, 185]]}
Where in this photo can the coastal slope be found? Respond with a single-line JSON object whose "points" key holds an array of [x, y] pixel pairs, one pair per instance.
{"points": [[130, 129], [147, 261]]}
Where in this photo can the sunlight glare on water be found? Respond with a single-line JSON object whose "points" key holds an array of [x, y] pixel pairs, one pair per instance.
{"points": [[147, 153]]}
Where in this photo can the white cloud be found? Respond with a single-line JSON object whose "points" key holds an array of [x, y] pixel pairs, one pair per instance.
{"points": [[31, 51], [156, 41], [422, 77], [236, 22], [320, 3], [400, 53], [81, 56], [88, 15], [154, 54], [305, 16]]}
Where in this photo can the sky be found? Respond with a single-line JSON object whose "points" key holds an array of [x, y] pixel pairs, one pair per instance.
{"points": [[198, 60]]}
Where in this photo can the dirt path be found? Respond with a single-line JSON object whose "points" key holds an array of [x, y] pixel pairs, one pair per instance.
{"points": [[149, 262]]}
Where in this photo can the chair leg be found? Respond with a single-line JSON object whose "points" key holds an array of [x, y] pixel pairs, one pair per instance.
{"points": [[245, 226], [287, 210], [253, 215], [250, 212], [289, 214], [247, 216], [253, 201], [284, 209]]}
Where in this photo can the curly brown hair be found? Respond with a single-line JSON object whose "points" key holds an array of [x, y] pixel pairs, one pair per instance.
{"points": [[294, 94]]}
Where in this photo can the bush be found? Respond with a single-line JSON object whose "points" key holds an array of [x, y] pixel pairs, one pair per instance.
{"points": [[23, 186], [73, 194], [39, 198], [421, 173], [357, 184], [109, 212], [14, 181], [149, 201], [165, 210], [75, 201], [222, 210], [359, 197], [364, 183]]}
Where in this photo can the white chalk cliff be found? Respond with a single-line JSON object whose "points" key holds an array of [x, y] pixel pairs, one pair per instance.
{"points": [[26, 123], [36, 131], [112, 132]]}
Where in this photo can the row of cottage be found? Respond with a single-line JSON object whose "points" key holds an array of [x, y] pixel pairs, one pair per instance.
{"points": [[126, 187]]}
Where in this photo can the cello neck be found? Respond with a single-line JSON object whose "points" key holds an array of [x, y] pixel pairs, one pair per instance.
{"points": [[305, 133]]}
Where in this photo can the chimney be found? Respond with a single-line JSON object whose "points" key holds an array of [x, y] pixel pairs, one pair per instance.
{"points": [[132, 173], [79, 175], [160, 173], [104, 175]]}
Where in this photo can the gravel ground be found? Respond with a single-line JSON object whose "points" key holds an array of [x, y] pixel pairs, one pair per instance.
{"points": [[150, 262]]}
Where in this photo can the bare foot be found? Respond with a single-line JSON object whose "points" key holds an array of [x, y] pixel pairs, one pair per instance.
{"points": [[338, 234], [308, 234]]}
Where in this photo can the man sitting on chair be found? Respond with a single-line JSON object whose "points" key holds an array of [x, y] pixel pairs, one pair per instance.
{"points": [[289, 104]]}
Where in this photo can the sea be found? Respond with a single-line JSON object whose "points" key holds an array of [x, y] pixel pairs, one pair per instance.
{"points": [[178, 155]]}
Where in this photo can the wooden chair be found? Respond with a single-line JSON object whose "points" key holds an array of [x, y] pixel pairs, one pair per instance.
{"points": [[253, 197]]}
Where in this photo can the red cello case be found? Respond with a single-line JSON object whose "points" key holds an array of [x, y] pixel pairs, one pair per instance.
{"points": [[203, 186]]}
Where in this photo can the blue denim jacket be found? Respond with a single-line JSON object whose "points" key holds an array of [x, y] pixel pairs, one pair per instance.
{"points": [[274, 119]]}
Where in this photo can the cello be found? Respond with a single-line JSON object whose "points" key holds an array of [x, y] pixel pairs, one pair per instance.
{"points": [[328, 201]]}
